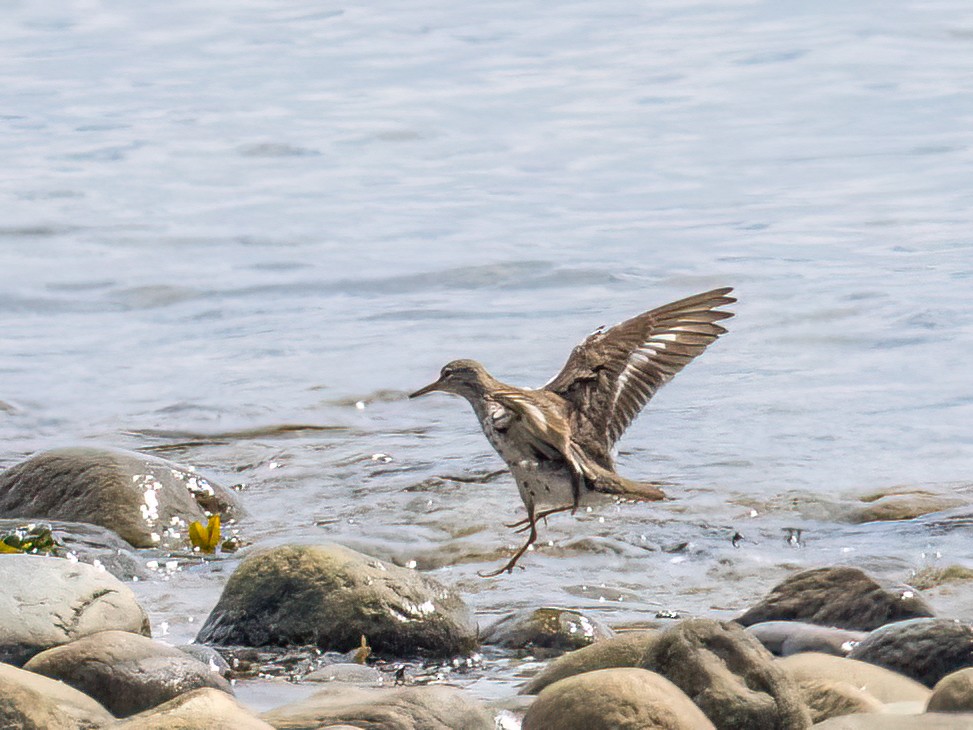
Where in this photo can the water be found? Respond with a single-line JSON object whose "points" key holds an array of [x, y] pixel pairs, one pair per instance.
{"points": [[224, 224]]}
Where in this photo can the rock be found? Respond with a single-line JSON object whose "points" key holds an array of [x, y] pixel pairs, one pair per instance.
{"points": [[926, 649], [828, 698], [930, 577], [625, 698], [146, 500], [51, 601], [201, 709], [901, 505], [344, 672], [884, 685], [729, 675], [931, 721], [553, 629], [29, 701], [784, 638], [953, 693], [208, 656], [842, 597], [330, 596], [625, 650], [435, 707], [126, 672]]}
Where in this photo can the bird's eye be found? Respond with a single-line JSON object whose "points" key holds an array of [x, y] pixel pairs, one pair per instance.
{"points": [[446, 372]]}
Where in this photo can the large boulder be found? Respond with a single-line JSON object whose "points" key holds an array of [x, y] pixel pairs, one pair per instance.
{"points": [[784, 638], [201, 709], [330, 596], [884, 685], [405, 708], [843, 597], [550, 630], [626, 650], [126, 672], [48, 601], [146, 500], [729, 675], [953, 693], [29, 701], [925, 649], [621, 698]]}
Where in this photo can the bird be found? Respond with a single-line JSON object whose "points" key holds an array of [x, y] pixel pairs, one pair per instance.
{"points": [[558, 440]]}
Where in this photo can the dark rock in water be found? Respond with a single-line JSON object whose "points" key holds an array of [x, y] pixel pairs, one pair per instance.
{"points": [[29, 701], [729, 675], [842, 597], [406, 708], [202, 708], [148, 501], [330, 596], [827, 698], [127, 673], [554, 629], [884, 685], [208, 656], [927, 721], [48, 601], [953, 693], [925, 649], [626, 650], [620, 698], [784, 638]]}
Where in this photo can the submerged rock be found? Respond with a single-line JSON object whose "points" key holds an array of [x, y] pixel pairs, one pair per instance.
{"points": [[30, 701], [47, 602], [884, 685], [148, 501], [357, 674], [953, 693], [553, 629], [620, 698], [127, 673], [330, 596], [406, 708], [925, 649], [784, 638], [202, 708], [729, 675], [842, 597], [902, 505]]}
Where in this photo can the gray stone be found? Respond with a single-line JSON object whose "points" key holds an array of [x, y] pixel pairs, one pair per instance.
{"points": [[553, 630], [784, 638], [827, 698], [201, 709], [208, 656], [884, 685], [51, 601], [928, 721], [147, 501], [126, 672], [29, 701], [620, 699], [625, 650], [925, 649], [358, 674], [953, 693], [842, 597], [406, 708], [330, 596], [729, 675]]}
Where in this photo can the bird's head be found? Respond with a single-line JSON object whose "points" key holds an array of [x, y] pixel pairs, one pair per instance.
{"points": [[461, 377]]}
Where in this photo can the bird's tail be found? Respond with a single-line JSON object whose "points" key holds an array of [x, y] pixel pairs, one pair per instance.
{"points": [[605, 481]]}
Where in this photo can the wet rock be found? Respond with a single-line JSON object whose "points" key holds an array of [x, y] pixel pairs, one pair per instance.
{"points": [[147, 501], [359, 674], [929, 721], [933, 577], [407, 708], [29, 701], [925, 649], [953, 693], [201, 709], [729, 675], [626, 650], [330, 596], [620, 698], [828, 698], [884, 685], [901, 505], [842, 597], [208, 656], [48, 601], [126, 672], [551, 629], [784, 638]]}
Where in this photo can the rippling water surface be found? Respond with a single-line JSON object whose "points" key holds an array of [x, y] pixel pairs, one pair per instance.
{"points": [[235, 234]]}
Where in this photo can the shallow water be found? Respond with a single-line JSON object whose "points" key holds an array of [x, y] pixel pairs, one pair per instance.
{"points": [[225, 225]]}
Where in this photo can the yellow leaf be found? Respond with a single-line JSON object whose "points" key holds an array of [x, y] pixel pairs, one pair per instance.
{"points": [[5, 548], [205, 538]]}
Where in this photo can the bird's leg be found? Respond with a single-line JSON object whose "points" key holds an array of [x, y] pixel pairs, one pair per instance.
{"points": [[509, 567], [524, 524], [577, 486]]}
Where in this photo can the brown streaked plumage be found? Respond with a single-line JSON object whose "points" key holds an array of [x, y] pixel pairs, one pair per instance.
{"points": [[558, 439]]}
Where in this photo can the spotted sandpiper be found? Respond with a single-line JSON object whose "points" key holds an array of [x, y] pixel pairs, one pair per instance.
{"points": [[558, 439]]}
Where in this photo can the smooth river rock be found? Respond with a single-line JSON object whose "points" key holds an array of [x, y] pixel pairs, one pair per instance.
{"points": [[827, 698], [146, 500], [201, 709], [552, 630], [29, 701], [924, 649], [883, 684], [331, 596], [126, 672], [784, 638], [842, 597], [953, 693], [47, 602]]}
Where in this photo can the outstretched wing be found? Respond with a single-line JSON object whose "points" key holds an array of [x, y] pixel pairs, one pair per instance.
{"points": [[610, 376]]}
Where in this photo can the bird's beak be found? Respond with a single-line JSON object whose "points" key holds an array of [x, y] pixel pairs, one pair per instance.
{"points": [[428, 389]]}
